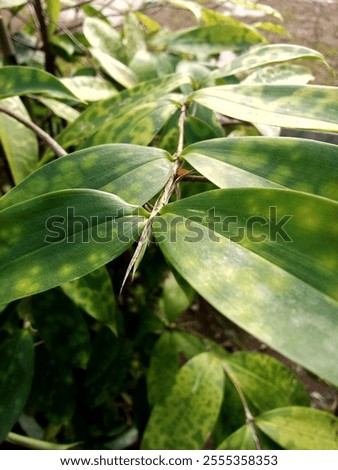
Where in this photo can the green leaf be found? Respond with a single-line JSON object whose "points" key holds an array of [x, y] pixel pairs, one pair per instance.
{"points": [[151, 25], [190, 411], [60, 109], [96, 115], [89, 88], [58, 237], [264, 55], [53, 8], [165, 362], [176, 299], [110, 168], [298, 428], [271, 27], [19, 143], [16, 373], [17, 80], [266, 382], [241, 439], [243, 271], [133, 35], [300, 164], [102, 36], [138, 126], [56, 318], [115, 69], [207, 40], [302, 107], [94, 294], [280, 74]]}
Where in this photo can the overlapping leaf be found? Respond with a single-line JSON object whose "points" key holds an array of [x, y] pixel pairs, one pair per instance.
{"points": [[300, 164], [96, 115], [302, 107], [264, 278], [60, 236], [111, 168], [16, 80], [137, 126]]}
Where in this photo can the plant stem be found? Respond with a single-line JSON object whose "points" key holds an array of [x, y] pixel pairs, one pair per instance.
{"points": [[248, 416], [36, 444], [49, 56], [162, 200], [58, 150]]}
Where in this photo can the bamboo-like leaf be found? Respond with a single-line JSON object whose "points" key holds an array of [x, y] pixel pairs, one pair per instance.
{"points": [[134, 40], [298, 428], [176, 298], [264, 55], [207, 40], [53, 8], [17, 80], [258, 256], [97, 114], [102, 36], [19, 143], [165, 362], [110, 168], [302, 107], [301, 164], [94, 294], [190, 411], [89, 88], [137, 126], [280, 74], [60, 109], [16, 374], [61, 236], [241, 439], [115, 69], [266, 382]]}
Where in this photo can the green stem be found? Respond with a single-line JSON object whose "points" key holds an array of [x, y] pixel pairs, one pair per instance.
{"points": [[58, 150], [36, 444], [248, 416], [169, 188]]}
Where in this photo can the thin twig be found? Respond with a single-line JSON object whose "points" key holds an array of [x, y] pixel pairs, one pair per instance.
{"points": [[163, 199], [248, 416], [58, 150], [49, 56]]}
